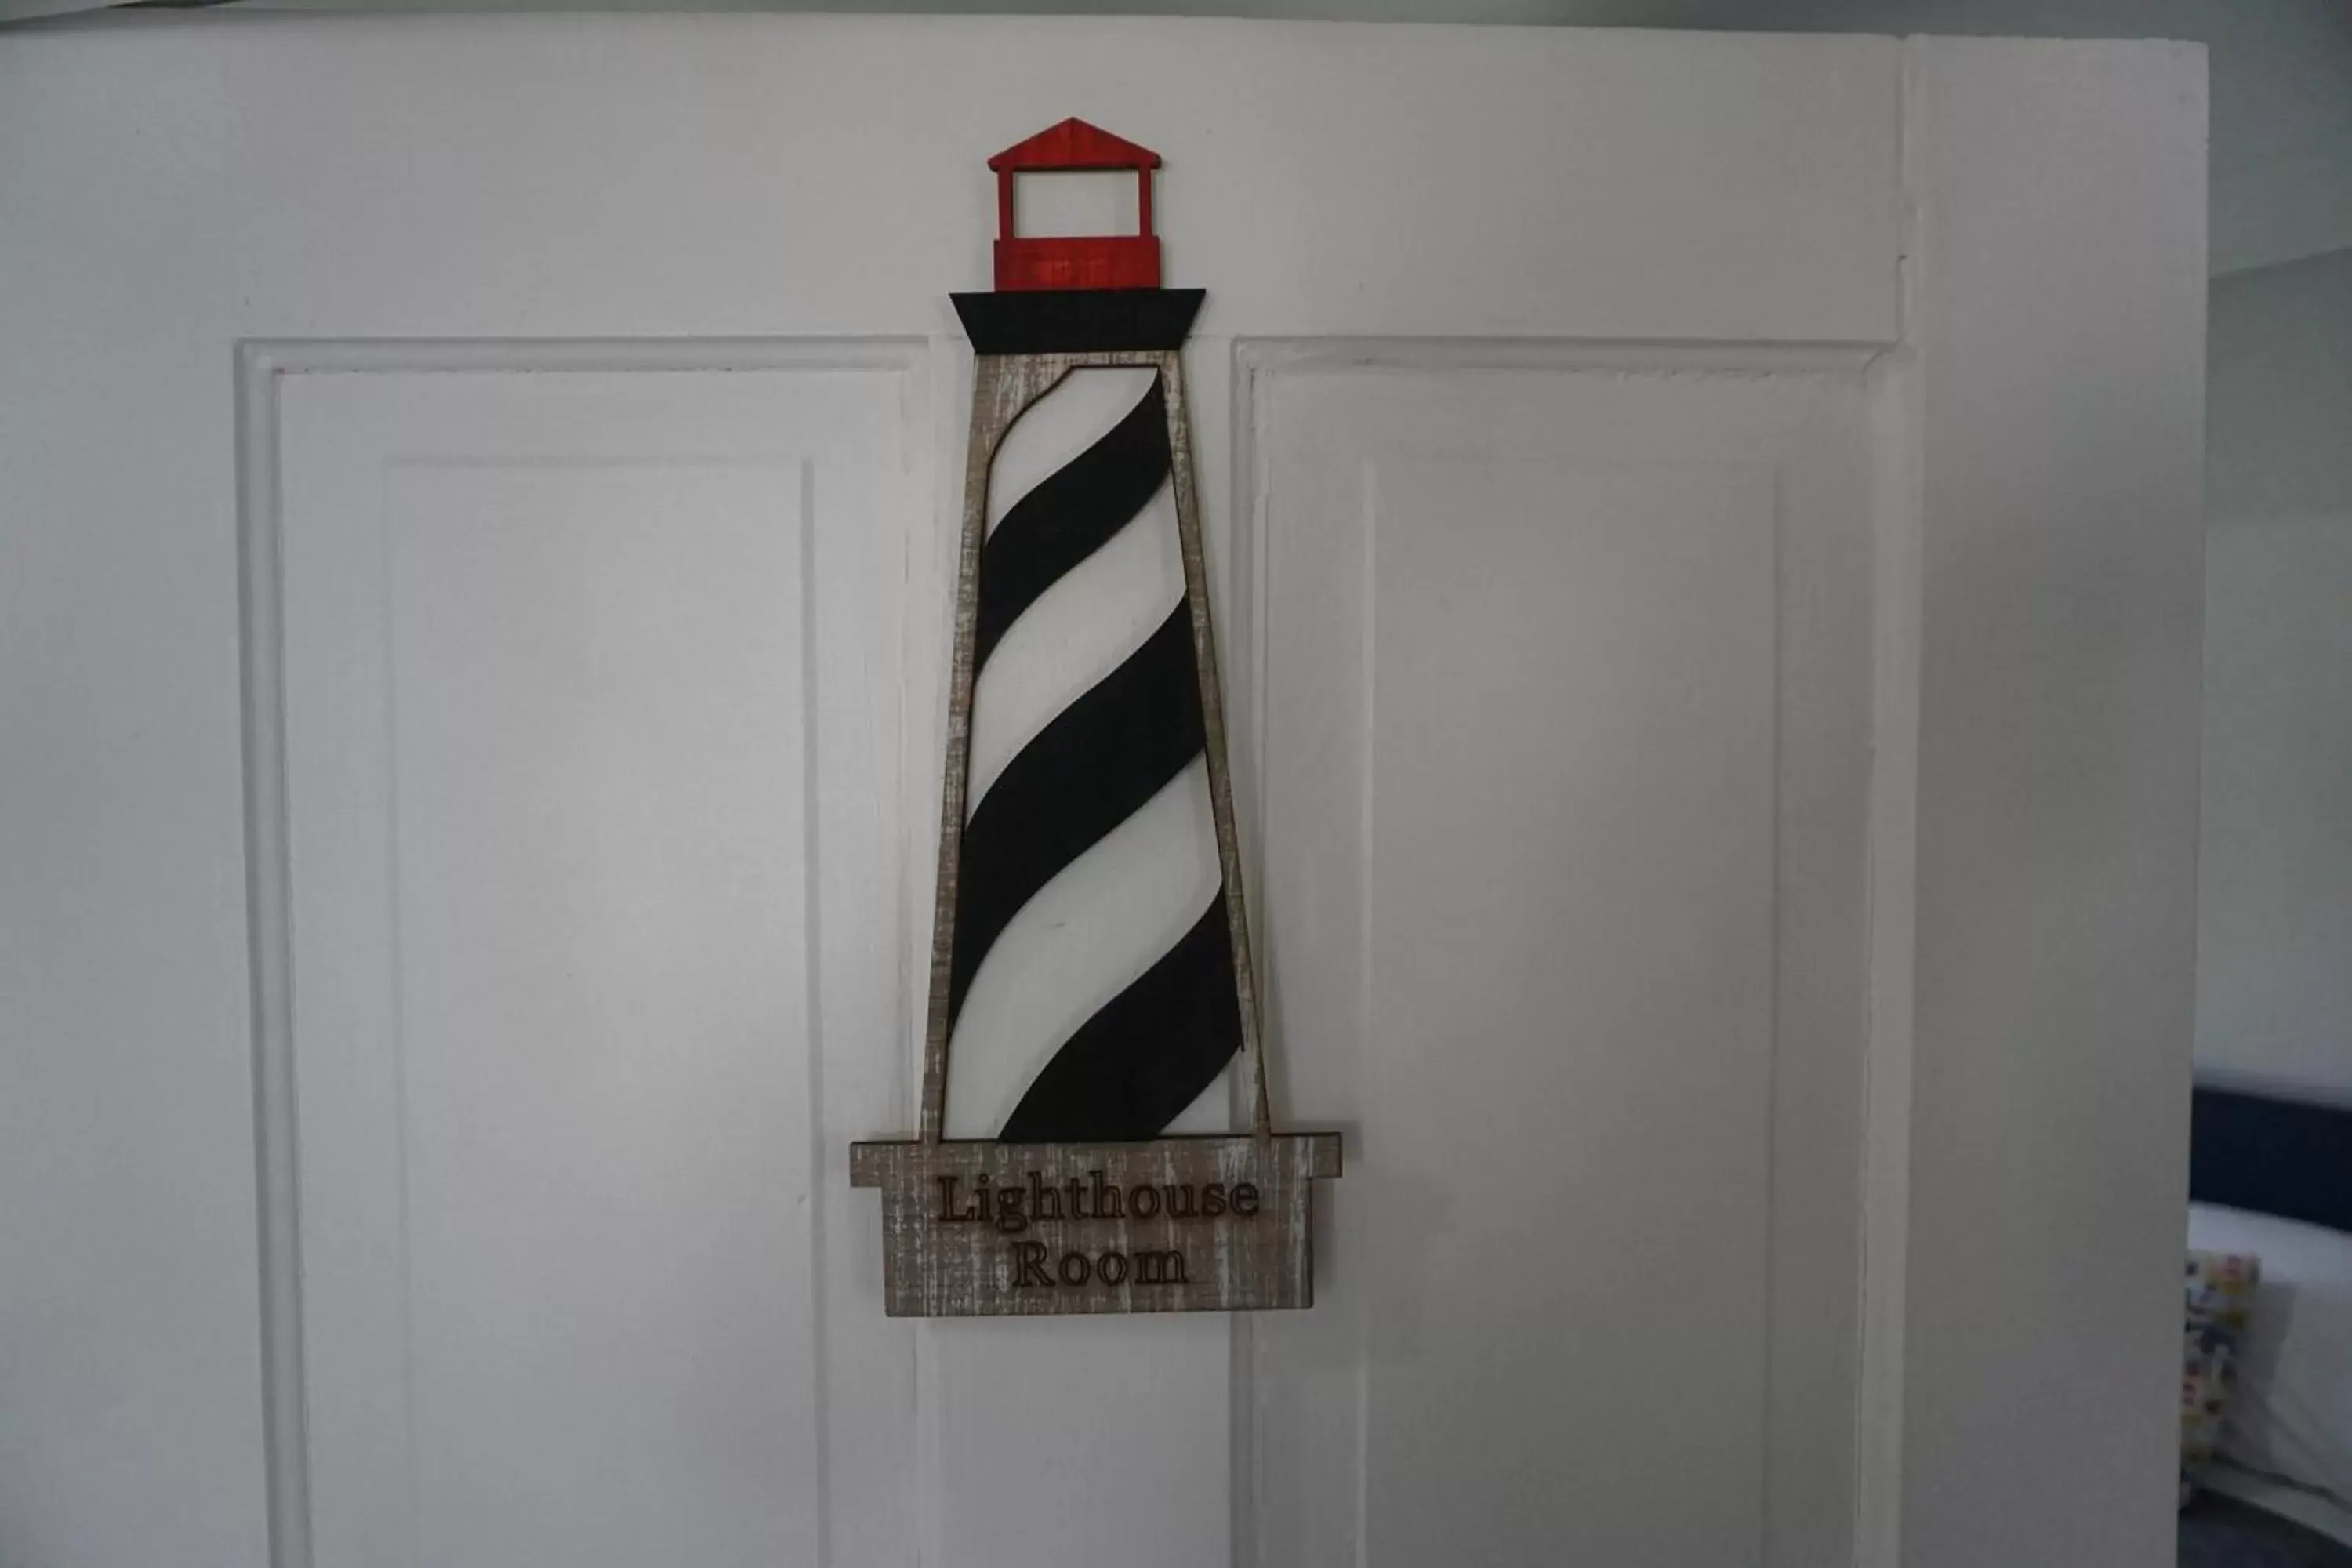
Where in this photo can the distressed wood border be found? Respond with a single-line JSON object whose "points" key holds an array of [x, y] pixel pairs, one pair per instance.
{"points": [[1231, 1217]]}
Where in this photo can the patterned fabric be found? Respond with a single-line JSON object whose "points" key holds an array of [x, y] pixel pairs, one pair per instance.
{"points": [[2220, 1296]]}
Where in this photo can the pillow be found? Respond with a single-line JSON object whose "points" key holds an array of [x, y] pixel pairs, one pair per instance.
{"points": [[2292, 1415], [2220, 1296]]}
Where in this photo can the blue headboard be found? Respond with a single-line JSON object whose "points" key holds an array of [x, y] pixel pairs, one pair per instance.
{"points": [[2275, 1156]]}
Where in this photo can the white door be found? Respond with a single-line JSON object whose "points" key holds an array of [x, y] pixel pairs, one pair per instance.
{"points": [[1705, 540]]}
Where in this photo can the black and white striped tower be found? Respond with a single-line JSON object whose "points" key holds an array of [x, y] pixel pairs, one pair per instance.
{"points": [[1090, 972], [1091, 983]]}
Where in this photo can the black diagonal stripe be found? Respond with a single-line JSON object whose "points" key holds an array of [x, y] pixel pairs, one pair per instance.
{"points": [[1074, 512], [1088, 771], [1147, 1054]]}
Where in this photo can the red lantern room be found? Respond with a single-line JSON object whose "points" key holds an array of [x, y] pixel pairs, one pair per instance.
{"points": [[1076, 261]]}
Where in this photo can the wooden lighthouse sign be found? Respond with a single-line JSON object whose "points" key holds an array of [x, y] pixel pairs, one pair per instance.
{"points": [[1073, 1195]]}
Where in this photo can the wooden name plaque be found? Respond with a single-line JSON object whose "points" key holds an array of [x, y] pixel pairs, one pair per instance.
{"points": [[1082, 1202], [1176, 1224]]}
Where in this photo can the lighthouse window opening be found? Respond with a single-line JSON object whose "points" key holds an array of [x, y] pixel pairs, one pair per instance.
{"points": [[1083, 203]]}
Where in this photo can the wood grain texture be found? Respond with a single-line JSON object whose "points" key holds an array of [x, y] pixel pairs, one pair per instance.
{"points": [[1226, 1222], [947, 1252]]}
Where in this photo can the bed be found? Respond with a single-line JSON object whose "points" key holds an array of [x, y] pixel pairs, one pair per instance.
{"points": [[2271, 1179]]}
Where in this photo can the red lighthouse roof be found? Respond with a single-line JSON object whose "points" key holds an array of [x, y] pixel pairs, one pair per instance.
{"points": [[1076, 293], [1076, 261], [1074, 144]]}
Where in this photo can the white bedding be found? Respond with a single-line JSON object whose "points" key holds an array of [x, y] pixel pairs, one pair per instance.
{"points": [[2291, 1415]]}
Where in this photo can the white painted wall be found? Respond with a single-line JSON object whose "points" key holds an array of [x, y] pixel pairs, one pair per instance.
{"points": [[2280, 153], [1700, 243], [2281, 149], [2057, 763], [2275, 918]]}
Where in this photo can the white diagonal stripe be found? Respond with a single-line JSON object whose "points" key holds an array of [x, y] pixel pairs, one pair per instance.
{"points": [[1110, 915], [1073, 413], [1211, 1110], [1077, 632]]}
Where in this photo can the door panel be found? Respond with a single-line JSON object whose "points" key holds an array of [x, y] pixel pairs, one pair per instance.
{"points": [[1563, 770], [578, 705]]}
